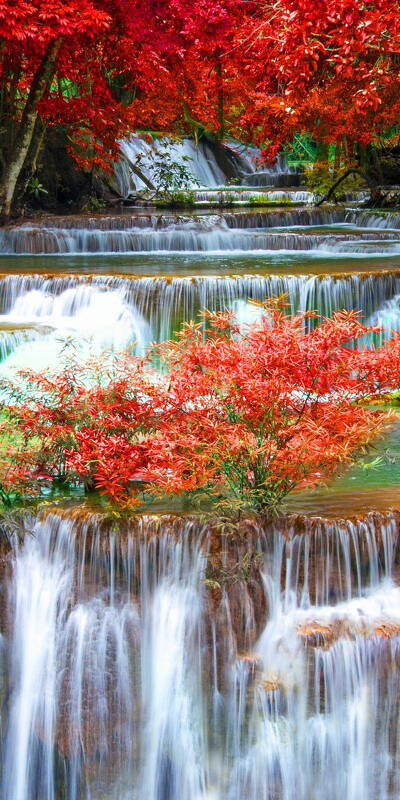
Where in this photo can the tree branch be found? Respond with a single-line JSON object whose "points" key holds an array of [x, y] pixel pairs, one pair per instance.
{"points": [[350, 171]]}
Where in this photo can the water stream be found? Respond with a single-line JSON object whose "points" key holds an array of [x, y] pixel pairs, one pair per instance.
{"points": [[322, 259], [123, 678], [157, 658], [200, 163]]}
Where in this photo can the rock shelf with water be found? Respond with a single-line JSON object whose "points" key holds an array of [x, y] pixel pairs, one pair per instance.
{"points": [[298, 230], [127, 676], [162, 657]]}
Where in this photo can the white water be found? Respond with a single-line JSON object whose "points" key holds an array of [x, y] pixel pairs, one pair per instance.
{"points": [[297, 230], [86, 318], [319, 724], [123, 687], [240, 195], [198, 160], [39, 600], [384, 220], [43, 318], [255, 173], [220, 240], [111, 678], [122, 678]]}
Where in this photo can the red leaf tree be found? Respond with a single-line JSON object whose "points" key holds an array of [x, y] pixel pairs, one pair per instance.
{"points": [[90, 65], [246, 416], [330, 69]]}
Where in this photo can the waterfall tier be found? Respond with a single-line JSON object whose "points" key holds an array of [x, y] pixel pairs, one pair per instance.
{"points": [[39, 314], [298, 230], [137, 167], [169, 661], [162, 658]]}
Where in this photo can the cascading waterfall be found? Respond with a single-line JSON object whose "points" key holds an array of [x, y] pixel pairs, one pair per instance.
{"points": [[158, 658], [11, 340], [200, 163], [39, 315], [125, 681], [299, 230], [254, 173], [385, 220], [257, 196], [198, 160], [167, 220], [105, 680], [344, 746], [194, 241], [292, 218], [320, 719], [83, 311]]}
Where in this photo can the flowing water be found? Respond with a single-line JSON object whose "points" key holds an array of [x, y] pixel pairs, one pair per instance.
{"points": [[124, 678], [199, 162], [121, 280], [159, 659]]}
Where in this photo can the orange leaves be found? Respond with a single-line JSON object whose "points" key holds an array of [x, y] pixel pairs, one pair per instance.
{"points": [[279, 68], [248, 415]]}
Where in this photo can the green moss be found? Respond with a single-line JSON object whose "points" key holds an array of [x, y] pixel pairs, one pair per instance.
{"points": [[178, 199]]}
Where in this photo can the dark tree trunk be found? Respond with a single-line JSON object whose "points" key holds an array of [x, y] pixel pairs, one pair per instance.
{"points": [[23, 139], [32, 157], [351, 171]]}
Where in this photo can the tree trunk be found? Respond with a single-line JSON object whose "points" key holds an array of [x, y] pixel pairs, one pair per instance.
{"points": [[137, 171], [32, 156], [17, 156], [350, 171]]}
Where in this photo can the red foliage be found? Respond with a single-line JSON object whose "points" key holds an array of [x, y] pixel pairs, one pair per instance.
{"points": [[248, 416], [83, 27], [330, 69], [243, 67]]}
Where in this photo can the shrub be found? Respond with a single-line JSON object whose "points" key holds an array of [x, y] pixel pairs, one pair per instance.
{"points": [[242, 417]]}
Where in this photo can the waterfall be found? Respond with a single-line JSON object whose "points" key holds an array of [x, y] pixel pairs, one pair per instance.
{"points": [[123, 654], [243, 230], [222, 240], [164, 657], [298, 230], [202, 220], [313, 717], [200, 162], [115, 665], [230, 196], [292, 218], [385, 220], [83, 309], [41, 315], [256, 173], [345, 746], [39, 599]]}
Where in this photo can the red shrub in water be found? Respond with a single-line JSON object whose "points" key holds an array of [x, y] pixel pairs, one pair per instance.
{"points": [[243, 415]]}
